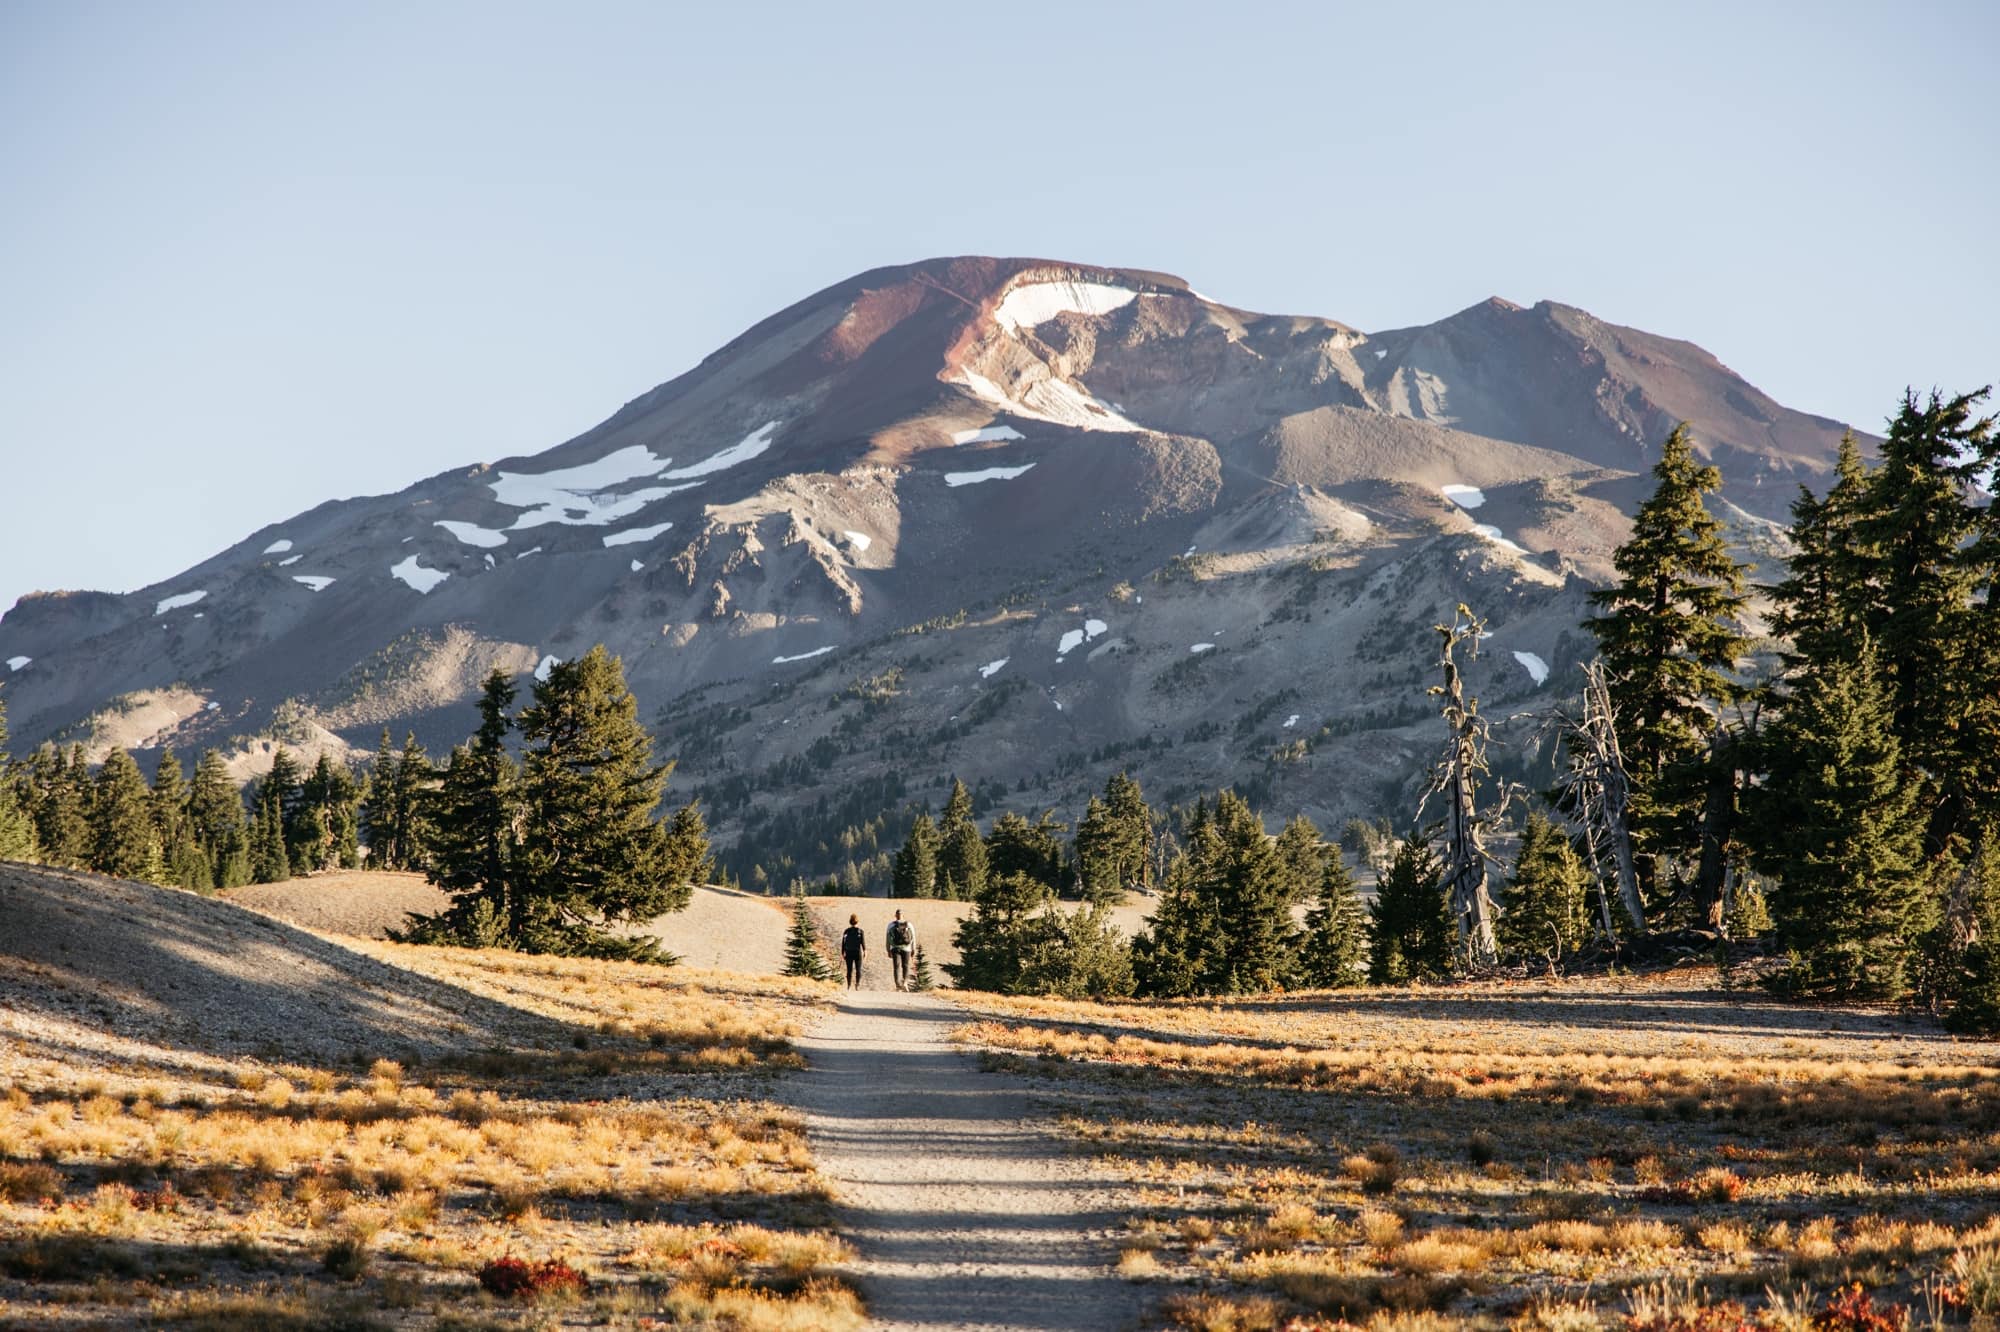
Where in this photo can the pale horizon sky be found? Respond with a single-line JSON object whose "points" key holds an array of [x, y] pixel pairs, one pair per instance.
{"points": [[254, 257]]}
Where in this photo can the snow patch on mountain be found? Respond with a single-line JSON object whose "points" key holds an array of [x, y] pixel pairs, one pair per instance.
{"points": [[987, 435], [545, 665], [278, 547], [1070, 640], [317, 582], [472, 534], [638, 565], [1537, 669], [1053, 400], [418, 577], [1464, 496], [985, 474], [1092, 628], [816, 652], [16, 663], [633, 534], [751, 445], [987, 671], [859, 540], [1202, 647], [576, 495], [289, 560], [1291, 721], [1034, 303], [178, 600]]}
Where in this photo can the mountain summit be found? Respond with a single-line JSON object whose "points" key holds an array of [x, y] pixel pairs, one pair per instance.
{"points": [[1120, 511]]}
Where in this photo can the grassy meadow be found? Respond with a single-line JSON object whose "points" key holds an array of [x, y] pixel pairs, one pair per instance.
{"points": [[1656, 1154], [635, 1176]]}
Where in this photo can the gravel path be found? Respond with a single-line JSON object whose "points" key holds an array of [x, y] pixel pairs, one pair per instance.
{"points": [[965, 1211]]}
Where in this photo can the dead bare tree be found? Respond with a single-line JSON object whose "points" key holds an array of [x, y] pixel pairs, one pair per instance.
{"points": [[1594, 798], [1454, 778]]}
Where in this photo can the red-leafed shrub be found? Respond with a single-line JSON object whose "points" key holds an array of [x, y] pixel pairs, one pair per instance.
{"points": [[517, 1279], [1855, 1310]]}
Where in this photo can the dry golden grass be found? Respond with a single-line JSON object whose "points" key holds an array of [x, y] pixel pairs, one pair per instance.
{"points": [[259, 1193], [1533, 1155]]}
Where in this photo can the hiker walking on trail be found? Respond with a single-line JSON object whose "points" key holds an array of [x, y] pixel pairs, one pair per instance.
{"points": [[853, 943], [901, 940]]}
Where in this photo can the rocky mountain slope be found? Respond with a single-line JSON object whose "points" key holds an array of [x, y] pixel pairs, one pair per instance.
{"points": [[1025, 520]]}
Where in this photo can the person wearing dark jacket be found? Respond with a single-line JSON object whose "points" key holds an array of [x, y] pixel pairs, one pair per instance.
{"points": [[853, 944], [901, 940]]}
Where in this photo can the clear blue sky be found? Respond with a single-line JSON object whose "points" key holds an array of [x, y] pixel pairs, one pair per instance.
{"points": [[254, 256]]}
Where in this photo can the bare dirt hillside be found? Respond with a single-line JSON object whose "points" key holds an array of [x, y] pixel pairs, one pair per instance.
{"points": [[89, 964], [363, 903]]}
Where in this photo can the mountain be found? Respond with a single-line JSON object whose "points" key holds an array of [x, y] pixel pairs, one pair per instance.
{"points": [[1026, 520]]}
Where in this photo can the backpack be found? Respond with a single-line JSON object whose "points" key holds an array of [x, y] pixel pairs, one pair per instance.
{"points": [[899, 934], [852, 942]]}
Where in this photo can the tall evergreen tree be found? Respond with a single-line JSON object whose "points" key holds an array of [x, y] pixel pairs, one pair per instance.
{"points": [[378, 826], [61, 805], [396, 816], [1114, 842], [915, 873], [184, 863], [1972, 998], [215, 814], [1224, 925], [1669, 633], [1303, 857], [1411, 933], [1818, 605], [1915, 535], [1835, 828], [1016, 846], [329, 818], [994, 940], [1545, 908], [122, 841], [592, 855], [477, 832], [802, 955], [1335, 951], [961, 855], [17, 825], [280, 787], [267, 858]]}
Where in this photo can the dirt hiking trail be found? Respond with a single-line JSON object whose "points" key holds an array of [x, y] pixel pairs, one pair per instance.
{"points": [[965, 1211]]}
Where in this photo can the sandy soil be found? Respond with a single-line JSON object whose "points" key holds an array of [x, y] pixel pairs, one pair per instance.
{"points": [[965, 1211], [90, 965], [365, 903], [727, 930]]}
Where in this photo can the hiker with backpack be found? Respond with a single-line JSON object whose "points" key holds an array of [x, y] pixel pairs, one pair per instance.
{"points": [[853, 943], [901, 940]]}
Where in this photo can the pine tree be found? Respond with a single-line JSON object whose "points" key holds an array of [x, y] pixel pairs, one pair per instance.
{"points": [[961, 853], [1078, 954], [215, 814], [280, 787], [1917, 567], [17, 825], [592, 854], [1669, 636], [994, 940], [1546, 907], [475, 841], [329, 817], [1817, 605], [1304, 857], [1411, 935], [185, 864], [1016, 846], [920, 972], [60, 806], [1836, 830], [915, 874], [268, 861], [122, 841], [1224, 924], [802, 955], [1335, 951], [1973, 1001], [1114, 842], [378, 819]]}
